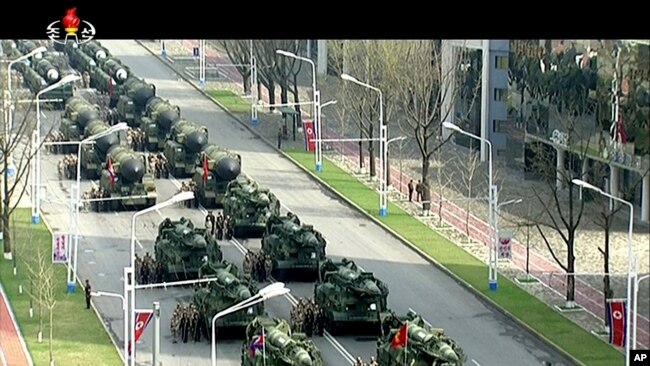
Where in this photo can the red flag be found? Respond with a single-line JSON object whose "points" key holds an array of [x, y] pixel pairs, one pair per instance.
{"points": [[205, 168], [616, 317], [142, 319], [620, 131], [400, 338], [310, 134], [111, 171]]}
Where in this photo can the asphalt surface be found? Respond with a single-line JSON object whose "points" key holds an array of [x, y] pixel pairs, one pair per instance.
{"points": [[488, 338]]}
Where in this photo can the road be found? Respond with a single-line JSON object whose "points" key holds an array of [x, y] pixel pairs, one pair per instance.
{"points": [[488, 337]]}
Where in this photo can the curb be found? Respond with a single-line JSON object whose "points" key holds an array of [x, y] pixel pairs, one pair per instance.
{"points": [[372, 218], [19, 332]]}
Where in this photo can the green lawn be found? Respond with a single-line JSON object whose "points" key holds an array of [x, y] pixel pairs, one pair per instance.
{"points": [[79, 338], [230, 100], [575, 341]]}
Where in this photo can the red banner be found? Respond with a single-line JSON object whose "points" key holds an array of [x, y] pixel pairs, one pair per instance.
{"points": [[142, 319], [616, 316], [310, 134]]}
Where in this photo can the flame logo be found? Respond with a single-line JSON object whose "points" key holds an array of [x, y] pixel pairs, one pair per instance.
{"points": [[71, 21]]}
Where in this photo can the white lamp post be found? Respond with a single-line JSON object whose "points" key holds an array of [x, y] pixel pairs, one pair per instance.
{"points": [[74, 225], [272, 290], [383, 137], [493, 257], [180, 197], [630, 268], [36, 151]]}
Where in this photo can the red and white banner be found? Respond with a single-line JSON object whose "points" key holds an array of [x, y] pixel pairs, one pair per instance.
{"points": [[616, 317], [310, 134], [142, 319]]}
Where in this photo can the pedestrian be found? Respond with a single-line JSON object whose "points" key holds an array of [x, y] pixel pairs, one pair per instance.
{"points": [[279, 138], [411, 190], [88, 290], [418, 191]]}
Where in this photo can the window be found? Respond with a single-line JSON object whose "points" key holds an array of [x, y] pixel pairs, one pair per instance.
{"points": [[500, 94], [499, 126], [501, 62]]}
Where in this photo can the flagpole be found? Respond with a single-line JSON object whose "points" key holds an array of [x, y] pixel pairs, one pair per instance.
{"points": [[406, 344], [263, 346]]}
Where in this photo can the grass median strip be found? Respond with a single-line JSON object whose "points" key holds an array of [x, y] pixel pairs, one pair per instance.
{"points": [[79, 338], [574, 340]]}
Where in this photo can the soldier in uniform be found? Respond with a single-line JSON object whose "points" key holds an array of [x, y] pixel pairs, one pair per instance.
{"points": [[185, 325], [247, 265], [228, 227], [309, 322], [373, 362], [268, 266], [209, 221], [219, 226], [61, 169], [320, 321], [85, 197], [138, 265], [175, 322]]}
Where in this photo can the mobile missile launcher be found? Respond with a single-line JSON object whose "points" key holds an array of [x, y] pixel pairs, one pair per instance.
{"points": [[95, 50], [351, 298], [250, 206], [280, 346], [214, 169], [124, 176], [230, 288], [78, 112], [426, 345], [296, 250], [181, 249], [186, 140], [133, 98], [159, 115]]}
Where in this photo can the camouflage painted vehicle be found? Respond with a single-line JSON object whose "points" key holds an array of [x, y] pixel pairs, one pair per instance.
{"points": [[250, 206], [351, 298], [230, 288], [427, 346], [183, 147], [296, 249], [124, 175], [279, 346], [213, 170], [181, 249]]}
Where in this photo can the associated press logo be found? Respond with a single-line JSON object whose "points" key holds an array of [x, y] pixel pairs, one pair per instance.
{"points": [[639, 356]]}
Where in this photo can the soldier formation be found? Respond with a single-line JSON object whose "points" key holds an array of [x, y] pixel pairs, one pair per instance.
{"points": [[258, 265], [307, 317], [98, 194], [359, 362], [136, 138], [219, 226], [67, 167], [146, 269], [188, 187], [55, 136], [158, 166], [186, 323]]}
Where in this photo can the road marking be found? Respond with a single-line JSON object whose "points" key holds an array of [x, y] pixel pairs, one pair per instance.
{"points": [[89, 251], [116, 214], [138, 242], [2, 358], [158, 211], [425, 321], [101, 274], [475, 363], [92, 262]]}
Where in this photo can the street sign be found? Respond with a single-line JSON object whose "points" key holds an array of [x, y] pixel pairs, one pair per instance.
{"points": [[59, 247], [505, 244], [195, 52]]}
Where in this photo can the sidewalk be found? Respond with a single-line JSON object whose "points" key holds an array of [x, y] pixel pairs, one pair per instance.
{"points": [[13, 351]]}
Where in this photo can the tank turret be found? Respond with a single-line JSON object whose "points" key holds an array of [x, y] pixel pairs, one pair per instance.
{"points": [[250, 206]]}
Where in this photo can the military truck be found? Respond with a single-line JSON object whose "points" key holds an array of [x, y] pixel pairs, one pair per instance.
{"points": [[270, 342], [124, 175], [134, 94], [181, 249], [230, 288], [182, 149], [156, 122], [426, 346], [351, 298], [250, 206], [214, 168], [296, 249]]}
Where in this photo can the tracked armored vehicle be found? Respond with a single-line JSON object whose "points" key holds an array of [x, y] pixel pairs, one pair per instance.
{"points": [[125, 176], [250, 206], [296, 249], [270, 341], [182, 149], [181, 249], [352, 300], [214, 169]]}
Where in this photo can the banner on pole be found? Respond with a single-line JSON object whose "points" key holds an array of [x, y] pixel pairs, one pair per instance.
{"points": [[616, 317], [59, 247], [310, 135], [505, 244], [142, 319]]}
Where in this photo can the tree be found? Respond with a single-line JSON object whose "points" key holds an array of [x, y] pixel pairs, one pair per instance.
{"points": [[467, 177], [279, 69], [39, 270], [444, 179], [239, 53]]}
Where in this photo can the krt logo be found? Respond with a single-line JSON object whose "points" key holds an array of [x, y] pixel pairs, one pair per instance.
{"points": [[639, 356], [70, 24]]}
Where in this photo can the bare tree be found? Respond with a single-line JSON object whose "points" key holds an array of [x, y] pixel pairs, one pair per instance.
{"points": [[444, 179], [49, 302], [239, 53], [467, 178], [278, 69], [39, 267]]}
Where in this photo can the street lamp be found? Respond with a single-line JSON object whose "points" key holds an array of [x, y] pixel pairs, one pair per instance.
{"points": [[493, 259], [36, 151], [36, 51], [127, 272], [270, 291], [180, 197], [630, 270], [77, 200], [383, 137]]}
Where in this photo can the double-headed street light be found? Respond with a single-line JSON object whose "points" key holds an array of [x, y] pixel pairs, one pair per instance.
{"points": [[631, 272], [270, 291], [493, 257], [36, 142]]}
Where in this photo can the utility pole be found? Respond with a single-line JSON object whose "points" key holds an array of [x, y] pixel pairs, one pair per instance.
{"points": [[156, 333]]}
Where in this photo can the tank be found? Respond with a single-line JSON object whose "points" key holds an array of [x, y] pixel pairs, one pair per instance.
{"points": [[296, 249], [124, 175], [135, 94], [250, 206], [181, 249], [271, 342], [95, 50], [185, 142], [229, 288], [426, 345], [210, 186], [157, 121], [352, 300]]}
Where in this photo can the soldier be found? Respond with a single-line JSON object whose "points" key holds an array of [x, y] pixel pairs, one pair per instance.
{"points": [[219, 227], [373, 362], [185, 325], [93, 195], [88, 291], [61, 169], [85, 198], [196, 329], [320, 321], [247, 265], [268, 266], [309, 322], [209, 221], [229, 227], [146, 268], [299, 320], [358, 362], [138, 265]]}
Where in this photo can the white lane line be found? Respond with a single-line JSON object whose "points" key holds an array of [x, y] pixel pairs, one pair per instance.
{"points": [[138, 242], [2, 358], [158, 212], [115, 212], [475, 363], [425, 321]]}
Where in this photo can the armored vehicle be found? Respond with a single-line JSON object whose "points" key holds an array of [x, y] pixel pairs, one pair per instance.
{"points": [[296, 249], [214, 169], [186, 140], [124, 175], [270, 341], [135, 93], [230, 288], [425, 346], [350, 297], [159, 114], [250, 206], [181, 249]]}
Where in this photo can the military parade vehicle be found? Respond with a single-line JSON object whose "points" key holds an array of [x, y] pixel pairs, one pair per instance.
{"points": [[78, 112], [133, 98], [296, 249], [159, 114], [215, 167], [230, 288], [250, 206], [181, 249], [417, 344], [271, 342], [124, 176], [182, 149], [350, 297]]}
